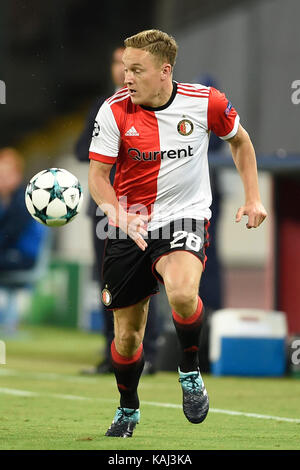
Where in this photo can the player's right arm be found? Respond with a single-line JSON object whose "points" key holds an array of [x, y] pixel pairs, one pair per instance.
{"points": [[103, 154]]}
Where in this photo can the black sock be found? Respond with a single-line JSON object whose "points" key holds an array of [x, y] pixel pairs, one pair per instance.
{"points": [[127, 372], [188, 333]]}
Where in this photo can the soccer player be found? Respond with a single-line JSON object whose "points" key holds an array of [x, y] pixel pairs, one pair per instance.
{"points": [[157, 130]]}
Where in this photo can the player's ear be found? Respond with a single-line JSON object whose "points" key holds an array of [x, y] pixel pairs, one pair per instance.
{"points": [[166, 71]]}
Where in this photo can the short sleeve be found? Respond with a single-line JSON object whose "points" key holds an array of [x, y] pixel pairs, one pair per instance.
{"points": [[222, 118], [105, 141]]}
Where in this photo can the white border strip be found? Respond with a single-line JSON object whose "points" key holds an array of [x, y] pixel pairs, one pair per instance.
{"points": [[234, 129]]}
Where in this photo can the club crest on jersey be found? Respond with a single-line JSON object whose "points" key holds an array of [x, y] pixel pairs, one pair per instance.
{"points": [[185, 127], [106, 297]]}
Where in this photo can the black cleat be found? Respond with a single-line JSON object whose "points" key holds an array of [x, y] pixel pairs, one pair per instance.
{"points": [[124, 422], [195, 399]]}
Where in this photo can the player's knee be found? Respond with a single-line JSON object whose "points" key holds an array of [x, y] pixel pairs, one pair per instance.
{"points": [[127, 342], [182, 300]]}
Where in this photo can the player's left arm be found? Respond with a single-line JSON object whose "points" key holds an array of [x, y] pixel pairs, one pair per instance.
{"points": [[245, 161], [223, 120]]}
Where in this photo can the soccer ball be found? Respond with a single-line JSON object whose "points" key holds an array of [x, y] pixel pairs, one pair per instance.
{"points": [[54, 197]]}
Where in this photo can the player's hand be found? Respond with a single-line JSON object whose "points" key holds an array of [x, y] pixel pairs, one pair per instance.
{"points": [[255, 211], [134, 225]]}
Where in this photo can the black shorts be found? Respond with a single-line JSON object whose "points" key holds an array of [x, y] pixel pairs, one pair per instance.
{"points": [[129, 274]]}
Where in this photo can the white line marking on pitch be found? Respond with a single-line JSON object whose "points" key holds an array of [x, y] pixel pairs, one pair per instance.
{"points": [[47, 376], [18, 393], [62, 377], [228, 412], [25, 393]]}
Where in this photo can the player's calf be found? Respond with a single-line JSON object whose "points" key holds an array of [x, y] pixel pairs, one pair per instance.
{"points": [[188, 333], [127, 371], [195, 399]]}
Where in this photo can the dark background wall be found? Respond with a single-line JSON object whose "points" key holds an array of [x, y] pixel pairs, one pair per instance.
{"points": [[252, 48], [54, 55]]}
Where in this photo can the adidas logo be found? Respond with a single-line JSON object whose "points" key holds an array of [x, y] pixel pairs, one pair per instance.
{"points": [[132, 131]]}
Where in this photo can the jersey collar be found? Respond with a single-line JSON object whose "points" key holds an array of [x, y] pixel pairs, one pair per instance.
{"points": [[164, 106]]}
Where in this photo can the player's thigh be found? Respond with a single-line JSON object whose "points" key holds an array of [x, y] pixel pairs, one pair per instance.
{"points": [[130, 322], [127, 275], [179, 258], [181, 272]]}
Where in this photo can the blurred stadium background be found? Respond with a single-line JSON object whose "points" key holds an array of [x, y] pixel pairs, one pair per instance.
{"points": [[55, 61]]}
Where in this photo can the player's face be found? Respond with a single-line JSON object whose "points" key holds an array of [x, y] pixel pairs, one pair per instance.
{"points": [[117, 68], [143, 76]]}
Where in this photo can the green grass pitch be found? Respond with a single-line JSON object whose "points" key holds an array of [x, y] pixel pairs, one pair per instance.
{"points": [[46, 404]]}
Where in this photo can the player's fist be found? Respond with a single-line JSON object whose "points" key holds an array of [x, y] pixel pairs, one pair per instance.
{"points": [[255, 211]]}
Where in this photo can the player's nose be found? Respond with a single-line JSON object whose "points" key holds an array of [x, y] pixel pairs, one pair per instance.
{"points": [[128, 78]]}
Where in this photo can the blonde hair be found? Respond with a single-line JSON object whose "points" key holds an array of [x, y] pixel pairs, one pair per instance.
{"points": [[158, 43]]}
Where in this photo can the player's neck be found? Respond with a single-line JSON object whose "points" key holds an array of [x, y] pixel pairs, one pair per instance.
{"points": [[163, 96]]}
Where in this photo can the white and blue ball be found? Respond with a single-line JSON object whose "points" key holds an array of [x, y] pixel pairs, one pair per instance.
{"points": [[54, 197]]}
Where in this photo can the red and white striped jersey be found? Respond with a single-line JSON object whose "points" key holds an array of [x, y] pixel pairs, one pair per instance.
{"points": [[161, 153]]}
